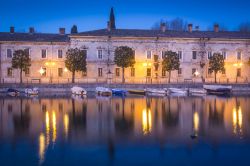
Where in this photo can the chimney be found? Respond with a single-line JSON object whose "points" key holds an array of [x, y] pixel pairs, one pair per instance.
{"points": [[12, 29], [197, 28], [62, 31], [216, 27], [31, 30], [163, 27], [190, 27], [108, 26]]}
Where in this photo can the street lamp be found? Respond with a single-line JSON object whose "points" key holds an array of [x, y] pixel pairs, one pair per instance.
{"points": [[41, 71]]}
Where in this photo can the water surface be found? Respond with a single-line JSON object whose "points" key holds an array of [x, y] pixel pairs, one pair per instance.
{"points": [[125, 131]]}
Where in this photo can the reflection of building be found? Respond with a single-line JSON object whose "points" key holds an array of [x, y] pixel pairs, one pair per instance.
{"points": [[48, 51]]}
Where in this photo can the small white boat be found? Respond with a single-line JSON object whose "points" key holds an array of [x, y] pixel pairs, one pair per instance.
{"points": [[218, 89], [13, 92], [197, 91], [177, 91], [31, 91], [156, 92], [78, 91], [103, 91]]}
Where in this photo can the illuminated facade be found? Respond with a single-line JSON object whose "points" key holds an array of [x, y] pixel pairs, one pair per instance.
{"points": [[48, 51]]}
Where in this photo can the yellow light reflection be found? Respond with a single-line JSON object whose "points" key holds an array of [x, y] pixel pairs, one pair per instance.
{"points": [[66, 124], [47, 122], [146, 121], [41, 147], [196, 121], [54, 134], [237, 121]]}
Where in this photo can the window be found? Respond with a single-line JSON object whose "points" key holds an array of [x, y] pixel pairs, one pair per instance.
{"points": [[117, 72], [163, 73], [28, 50], [209, 54], [194, 54], [99, 54], [44, 72], [60, 54], [134, 54], [84, 73], [149, 54], [148, 72], [239, 72], [27, 72], [60, 72], [209, 72], [224, 53], [238, 55], [132, 74], [44, 53], [163, 54], [9, 53], [180, 71], [193, 71], [9, 72], [180, 54], [85, 52], [99, 72], [224, 72]]}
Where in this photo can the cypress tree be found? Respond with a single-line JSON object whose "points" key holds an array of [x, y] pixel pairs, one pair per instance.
{"points": [[74, 29], [112, 19]]}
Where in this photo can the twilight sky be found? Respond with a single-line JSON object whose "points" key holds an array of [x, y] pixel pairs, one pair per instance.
{"points": [[49, 15]]}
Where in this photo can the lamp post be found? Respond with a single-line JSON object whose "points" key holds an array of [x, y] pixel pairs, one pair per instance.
{"points": [[238, 66]]}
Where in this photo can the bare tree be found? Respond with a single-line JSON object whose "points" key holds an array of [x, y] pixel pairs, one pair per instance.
{"points": [[244, 27], [177, 24]]}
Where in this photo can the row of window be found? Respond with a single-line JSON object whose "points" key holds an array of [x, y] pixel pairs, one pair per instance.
{"points": [[117, 72], [149, 54], [43, 53]]}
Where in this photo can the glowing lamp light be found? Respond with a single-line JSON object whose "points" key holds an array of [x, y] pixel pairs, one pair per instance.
{"points": [[146, 64], [196, 73], [237, 64], [65, 69], [41, 71]]}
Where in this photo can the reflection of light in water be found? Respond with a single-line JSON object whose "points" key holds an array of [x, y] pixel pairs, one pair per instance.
{"points": [[196, 121], [146, 121], [41, 148], [54, 126], [47, 122], [237, 121], [66, 124]]}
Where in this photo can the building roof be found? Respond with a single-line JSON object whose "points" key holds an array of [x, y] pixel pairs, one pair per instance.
{"points": [[34, 37], [168, 33]]}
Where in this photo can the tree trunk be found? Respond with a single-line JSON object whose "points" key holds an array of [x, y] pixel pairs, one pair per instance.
{"points": [[21, 76], [123, 78], [169, 76], [73, 76], [215, 77]]}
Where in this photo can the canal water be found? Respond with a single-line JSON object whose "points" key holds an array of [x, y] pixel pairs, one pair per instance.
{"points": [[62, 130]]}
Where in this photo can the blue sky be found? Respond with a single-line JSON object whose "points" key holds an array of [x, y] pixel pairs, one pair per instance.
{"points": [[49, 15]]}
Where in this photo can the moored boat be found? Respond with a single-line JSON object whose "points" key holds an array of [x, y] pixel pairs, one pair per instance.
{"points": [[31, 91], [218, 89], [78, 91], [12, 92], [177, 91], [155, 92], [119, 92], [197, 91], [103, 91], [137, 92]]}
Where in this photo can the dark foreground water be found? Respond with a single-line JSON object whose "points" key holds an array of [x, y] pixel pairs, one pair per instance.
{"points": [[131, 131]]}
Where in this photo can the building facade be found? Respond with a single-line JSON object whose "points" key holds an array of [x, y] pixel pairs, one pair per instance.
{"points": [[47, 52]]}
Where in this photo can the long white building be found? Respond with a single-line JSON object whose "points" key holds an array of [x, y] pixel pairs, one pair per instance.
{"points": [[47, 52]]}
